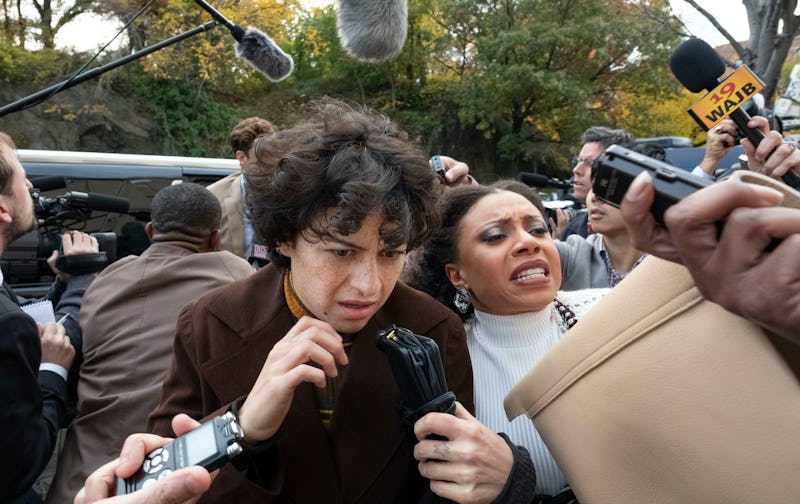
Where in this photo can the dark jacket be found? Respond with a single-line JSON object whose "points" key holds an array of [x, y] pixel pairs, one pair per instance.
{"points": [[34, 403], [366, 455]]}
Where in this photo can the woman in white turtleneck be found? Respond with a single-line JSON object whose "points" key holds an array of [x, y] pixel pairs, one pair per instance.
{"points": [[495, 263]]}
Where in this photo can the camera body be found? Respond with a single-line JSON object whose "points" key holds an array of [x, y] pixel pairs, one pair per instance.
{"points": [[560, 199], [26, 261], [614, 171]]}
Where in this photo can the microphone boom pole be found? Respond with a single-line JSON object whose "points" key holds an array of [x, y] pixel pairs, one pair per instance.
{"points": [[236, 30], [46, 93]]}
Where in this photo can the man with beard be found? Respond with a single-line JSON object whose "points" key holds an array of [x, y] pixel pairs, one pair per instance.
{"points": [[33, 387]]}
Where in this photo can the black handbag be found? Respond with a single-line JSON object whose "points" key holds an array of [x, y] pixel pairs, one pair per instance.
{"points": [[418, 371]]}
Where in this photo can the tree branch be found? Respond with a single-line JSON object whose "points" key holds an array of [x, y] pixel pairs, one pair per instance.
{"points": [[743, 52]]}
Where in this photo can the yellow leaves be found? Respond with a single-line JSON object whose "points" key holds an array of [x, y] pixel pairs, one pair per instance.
{"points": [[67, 113], [209, 56], [319, 45], [660, 115]]}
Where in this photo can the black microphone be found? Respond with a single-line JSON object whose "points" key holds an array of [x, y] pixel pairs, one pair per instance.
{"points": [[698, 67], [99, 202], [255, 47], [372, 31], [49, 182], [539, 180]]}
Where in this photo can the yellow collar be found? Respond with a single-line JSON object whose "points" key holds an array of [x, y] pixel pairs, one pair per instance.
{"points": [[295, 306]]}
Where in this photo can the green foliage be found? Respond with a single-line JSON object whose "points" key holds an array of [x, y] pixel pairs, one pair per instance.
{"points": [[38, 68], [538, 72], [193, 122]]}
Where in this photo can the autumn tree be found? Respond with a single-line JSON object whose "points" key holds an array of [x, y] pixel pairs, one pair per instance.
{"points": [[206, 58], [535, 73]]}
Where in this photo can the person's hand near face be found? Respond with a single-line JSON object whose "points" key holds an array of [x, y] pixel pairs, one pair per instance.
{"points": [[287, 366], [342, 282]]}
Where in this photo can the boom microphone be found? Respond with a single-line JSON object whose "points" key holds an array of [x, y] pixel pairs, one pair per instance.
{"points": [[372, 31], [255, 47], [261, 53], [697, 66]]}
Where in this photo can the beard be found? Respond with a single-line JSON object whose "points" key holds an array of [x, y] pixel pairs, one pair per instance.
{"points": [[18, 227]]}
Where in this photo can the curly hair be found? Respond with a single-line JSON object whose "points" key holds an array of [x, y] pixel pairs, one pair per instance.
{"points": [[246, 131], [442, 250], [352, 160]]}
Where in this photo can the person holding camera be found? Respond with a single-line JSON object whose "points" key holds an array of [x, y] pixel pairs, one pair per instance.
{"points": [[35, 357]]}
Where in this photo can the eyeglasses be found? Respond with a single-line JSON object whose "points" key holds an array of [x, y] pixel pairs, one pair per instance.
{"points": [[578, 160]]}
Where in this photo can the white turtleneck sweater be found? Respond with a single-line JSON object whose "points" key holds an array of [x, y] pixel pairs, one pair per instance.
{"points": [[503, 348]]}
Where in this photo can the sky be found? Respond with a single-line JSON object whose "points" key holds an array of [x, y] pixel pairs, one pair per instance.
{"points": [[89, 32], [731, 14]]}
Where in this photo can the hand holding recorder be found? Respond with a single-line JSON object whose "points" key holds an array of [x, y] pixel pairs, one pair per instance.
{"points": [[184, 485]]}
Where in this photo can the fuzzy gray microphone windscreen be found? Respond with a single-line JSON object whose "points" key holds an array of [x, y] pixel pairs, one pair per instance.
{"points": [[372, 31], [261, 53]]}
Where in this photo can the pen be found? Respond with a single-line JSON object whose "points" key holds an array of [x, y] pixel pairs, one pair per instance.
{"points": [[63, 319]]}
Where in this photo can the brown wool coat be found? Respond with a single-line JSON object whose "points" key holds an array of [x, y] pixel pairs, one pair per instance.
{"points": [[367, 455]]}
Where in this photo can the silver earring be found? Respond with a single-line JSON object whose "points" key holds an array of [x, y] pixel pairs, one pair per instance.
{"points": [[462, 299]]}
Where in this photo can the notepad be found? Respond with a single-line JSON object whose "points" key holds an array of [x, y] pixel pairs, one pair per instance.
{"points": [[40, 311]]}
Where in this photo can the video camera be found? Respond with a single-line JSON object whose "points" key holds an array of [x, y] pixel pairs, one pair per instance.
{"points": [[560, 199], [73, 208], [26, 257]]}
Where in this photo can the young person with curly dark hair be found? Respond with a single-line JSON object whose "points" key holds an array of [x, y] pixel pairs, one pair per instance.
{"points": [[291, 350]]}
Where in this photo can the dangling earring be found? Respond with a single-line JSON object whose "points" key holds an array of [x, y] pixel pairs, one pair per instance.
{"points": [[462, 299]]}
